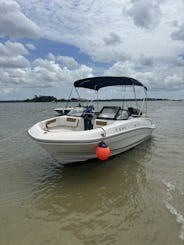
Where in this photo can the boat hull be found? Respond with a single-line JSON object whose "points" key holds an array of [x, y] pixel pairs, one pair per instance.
{"points": [[81, 150]]}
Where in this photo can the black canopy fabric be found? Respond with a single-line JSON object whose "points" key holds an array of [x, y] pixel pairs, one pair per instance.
{"points": [[99, 82]]}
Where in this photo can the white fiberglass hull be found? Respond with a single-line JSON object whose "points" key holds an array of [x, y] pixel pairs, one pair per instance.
{"points": [[67, 153], [75, 146]]}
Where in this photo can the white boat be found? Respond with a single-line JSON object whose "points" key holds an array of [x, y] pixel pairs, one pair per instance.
{"points": [[63, 110], [76, 136]]}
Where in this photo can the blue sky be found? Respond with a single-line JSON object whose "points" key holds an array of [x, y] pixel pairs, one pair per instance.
{"points": [[46, 45]]}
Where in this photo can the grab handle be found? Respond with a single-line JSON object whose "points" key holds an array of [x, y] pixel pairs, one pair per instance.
{"points": [[104, 132]]}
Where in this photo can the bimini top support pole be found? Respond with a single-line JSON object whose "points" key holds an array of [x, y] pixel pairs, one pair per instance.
{"points": [[135, 96]]}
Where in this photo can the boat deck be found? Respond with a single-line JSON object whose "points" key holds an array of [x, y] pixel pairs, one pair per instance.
{"points": [[61, 128]]}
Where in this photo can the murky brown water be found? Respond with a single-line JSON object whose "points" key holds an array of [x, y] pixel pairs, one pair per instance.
{"points": [[133, 198]]}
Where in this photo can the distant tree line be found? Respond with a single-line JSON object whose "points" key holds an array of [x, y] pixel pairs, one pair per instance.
{"points": [[48, 98], [42, 98], [45, 98]]}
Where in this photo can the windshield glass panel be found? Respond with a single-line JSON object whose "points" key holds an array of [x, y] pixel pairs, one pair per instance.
{"points": [[108, 112], [77, 111]]}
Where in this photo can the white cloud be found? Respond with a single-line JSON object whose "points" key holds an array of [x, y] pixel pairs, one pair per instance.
{"points": [[159, 76], [47, 73], [139, 38], [155, 73], [179, 33], [13, 62], [113, 39], [7, 90], [145, 60], [14, 23], [69, 62], [12, 77], [145, 14], [12, 56], [12, 49], [16, 70], [51, 57], [30, 46], [105, 31]]}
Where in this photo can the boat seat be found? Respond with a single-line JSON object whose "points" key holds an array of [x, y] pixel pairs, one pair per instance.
{"points": [[75, 123], [133, 111], [122, 115], [98, 123]]}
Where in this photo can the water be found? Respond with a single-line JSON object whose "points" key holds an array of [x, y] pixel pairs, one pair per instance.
{"points": [[133, 198]]}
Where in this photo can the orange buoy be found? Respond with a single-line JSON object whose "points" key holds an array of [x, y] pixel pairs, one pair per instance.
{"points": [[102, 151]]}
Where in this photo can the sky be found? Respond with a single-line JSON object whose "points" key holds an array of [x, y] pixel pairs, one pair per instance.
{"points": [[46, 45]]}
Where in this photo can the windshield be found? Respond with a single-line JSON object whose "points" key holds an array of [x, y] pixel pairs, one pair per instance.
{"points": [[77, 111], [108, 112]]}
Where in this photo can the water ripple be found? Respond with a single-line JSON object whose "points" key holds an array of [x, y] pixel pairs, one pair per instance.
{"points": [[171, 187]]}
